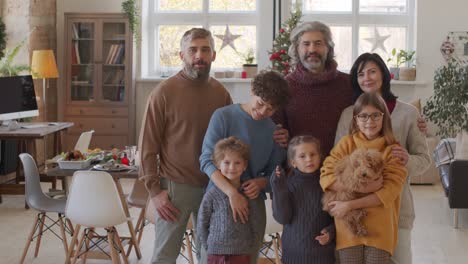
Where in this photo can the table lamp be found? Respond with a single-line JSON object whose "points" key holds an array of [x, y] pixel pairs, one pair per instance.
{"points": [[43, 66]]}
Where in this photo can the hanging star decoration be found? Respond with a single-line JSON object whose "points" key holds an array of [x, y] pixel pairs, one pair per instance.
{"points": [[228, 38], [377, 41]]}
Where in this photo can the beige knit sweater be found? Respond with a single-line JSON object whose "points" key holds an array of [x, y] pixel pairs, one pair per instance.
{"points": [[404, 125], [177, 115]]}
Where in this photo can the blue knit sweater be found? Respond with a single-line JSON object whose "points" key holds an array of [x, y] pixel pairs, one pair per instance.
{"points": [[258, 134], [297, 205]]}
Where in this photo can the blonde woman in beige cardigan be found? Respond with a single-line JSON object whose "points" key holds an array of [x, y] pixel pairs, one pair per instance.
{"points": [[370, 74]]}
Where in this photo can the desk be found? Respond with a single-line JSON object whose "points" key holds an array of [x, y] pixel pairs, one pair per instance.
{"points": [[61, 174], [26, 143]]}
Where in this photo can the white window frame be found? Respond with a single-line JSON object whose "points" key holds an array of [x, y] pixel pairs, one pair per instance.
{"points": [[151, 20], [355, 19]]}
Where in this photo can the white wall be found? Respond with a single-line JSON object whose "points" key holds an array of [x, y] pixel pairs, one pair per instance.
{"points": [[435, 19]]}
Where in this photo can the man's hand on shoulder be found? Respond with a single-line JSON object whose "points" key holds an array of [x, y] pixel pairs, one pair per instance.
{"points": [[164, 207]]}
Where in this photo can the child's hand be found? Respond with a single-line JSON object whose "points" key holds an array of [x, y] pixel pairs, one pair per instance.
{"points": [[339, 208], [324, 238], [278, 171]]}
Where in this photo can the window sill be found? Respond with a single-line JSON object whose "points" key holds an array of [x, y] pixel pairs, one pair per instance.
{"points": [[407, 83], [221, 80]]}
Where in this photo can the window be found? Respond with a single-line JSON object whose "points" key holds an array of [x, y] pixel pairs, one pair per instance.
{"points": [[360, 26], [165, 21]]}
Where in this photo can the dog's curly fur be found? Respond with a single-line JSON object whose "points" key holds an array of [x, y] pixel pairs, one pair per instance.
{"points": [[353, 172]]}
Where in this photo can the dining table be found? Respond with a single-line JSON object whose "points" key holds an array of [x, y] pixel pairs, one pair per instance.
{"points": [[116, 175]]}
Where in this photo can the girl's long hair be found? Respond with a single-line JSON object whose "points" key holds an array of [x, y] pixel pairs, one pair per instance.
{"points": [[375, 100]]}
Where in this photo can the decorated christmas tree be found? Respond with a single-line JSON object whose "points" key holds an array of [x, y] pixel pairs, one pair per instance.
{"points": [[279, 55]]}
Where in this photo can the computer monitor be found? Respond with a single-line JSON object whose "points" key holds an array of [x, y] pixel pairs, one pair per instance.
{"points": [[17, 98]]}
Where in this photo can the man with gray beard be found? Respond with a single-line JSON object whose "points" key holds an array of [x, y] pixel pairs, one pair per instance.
{"points": [[319, 92], [177, 115]]}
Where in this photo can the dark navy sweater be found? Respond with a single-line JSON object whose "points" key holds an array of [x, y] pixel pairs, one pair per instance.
{"points": [[297, 206]]}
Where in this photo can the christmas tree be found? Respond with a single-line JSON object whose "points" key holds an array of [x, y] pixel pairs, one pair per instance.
{"points": [[279, 55]]}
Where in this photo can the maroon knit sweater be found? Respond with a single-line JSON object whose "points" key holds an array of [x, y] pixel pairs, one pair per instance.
{"points": [[316, 104]]}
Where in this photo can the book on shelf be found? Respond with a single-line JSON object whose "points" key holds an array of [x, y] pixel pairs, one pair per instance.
{"points": [[109, 54], [120, 54], [75, 31], [77, 52]]}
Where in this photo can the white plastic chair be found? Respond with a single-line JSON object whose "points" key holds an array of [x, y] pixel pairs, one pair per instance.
{"points": [[37, 200], [94, 202], [83, 141], [272, 229]]}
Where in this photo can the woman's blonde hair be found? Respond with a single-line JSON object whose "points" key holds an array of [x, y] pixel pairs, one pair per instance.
{"points": [[376, 101]]}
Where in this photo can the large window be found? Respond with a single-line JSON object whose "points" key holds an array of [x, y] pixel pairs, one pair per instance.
{"points": [[360, 26], [234, 25]]}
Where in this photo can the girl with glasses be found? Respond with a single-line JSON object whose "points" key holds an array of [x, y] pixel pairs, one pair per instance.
{"points": [[370, 74], [371, 128]]}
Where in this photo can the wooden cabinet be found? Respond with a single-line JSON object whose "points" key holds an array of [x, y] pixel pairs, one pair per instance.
{"points": [[98, 93]]}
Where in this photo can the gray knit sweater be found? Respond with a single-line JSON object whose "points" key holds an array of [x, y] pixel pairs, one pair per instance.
{"points": [[297, 205], [216, 229]]}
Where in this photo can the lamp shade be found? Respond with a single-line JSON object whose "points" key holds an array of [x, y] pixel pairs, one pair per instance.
{"points": [[43, 64]]}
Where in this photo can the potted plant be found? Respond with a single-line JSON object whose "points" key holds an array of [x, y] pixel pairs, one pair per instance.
{"points": [[399, 58], [6, 63], [407, 73], [448, 106], [249, 66], [395, 60]]}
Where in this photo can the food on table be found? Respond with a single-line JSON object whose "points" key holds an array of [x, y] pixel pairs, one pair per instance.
{"points": [[74, 155]]}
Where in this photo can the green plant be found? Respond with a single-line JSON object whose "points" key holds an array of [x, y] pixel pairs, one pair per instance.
{"points": [[129, 7], [3, 38], [249, 57], [6, 63], [448, 106], [402, 56]]}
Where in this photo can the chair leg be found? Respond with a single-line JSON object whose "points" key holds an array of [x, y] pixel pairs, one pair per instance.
{"points": [[110, 237], [70, 226], [80, 245], [455, 218], [72, 244], [62, 230], [275, 245], [41, 229], [121, 248], [189, 247], [88, 237], [140, 225], [28, 242]]}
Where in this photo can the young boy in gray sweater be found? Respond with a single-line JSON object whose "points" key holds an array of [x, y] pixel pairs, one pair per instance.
{"points": [[226, 241]]}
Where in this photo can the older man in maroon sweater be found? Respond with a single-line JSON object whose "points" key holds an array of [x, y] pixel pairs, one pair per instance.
{"points": [[319, 92]]}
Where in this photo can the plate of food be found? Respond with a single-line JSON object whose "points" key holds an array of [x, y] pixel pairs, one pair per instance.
{"points": [[111, 167]]}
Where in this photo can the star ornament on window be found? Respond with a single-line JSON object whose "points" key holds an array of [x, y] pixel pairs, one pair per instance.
{"points": [[228, 39], [377, 41]]}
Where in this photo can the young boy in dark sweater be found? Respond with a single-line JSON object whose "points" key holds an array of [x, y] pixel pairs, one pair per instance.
{"points": [[308, 232], [226, 241]]}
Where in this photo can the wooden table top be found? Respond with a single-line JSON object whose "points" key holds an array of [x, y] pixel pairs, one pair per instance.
{"points": [[57, 172], [38, 132]]}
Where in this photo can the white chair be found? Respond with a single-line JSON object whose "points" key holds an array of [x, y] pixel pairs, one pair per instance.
{"points": [[94, 202], [83, 141], [272, 230], [36, 199]]}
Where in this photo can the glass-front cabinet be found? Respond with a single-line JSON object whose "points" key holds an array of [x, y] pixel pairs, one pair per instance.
{"points": [[98, 86]]}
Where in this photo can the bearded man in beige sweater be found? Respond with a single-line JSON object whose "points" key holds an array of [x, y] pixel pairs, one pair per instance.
{"points": [[176, 118]]}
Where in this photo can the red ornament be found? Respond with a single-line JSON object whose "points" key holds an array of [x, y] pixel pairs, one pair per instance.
{"points": [[125, 160], [392, 75], [282, 51], [281, 30]]}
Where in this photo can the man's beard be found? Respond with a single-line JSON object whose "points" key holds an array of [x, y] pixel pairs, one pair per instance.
{"points": [[314, 65], [195, 73]]}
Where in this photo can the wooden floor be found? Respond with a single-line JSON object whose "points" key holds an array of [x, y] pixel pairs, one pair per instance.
{"points": [[434, 239]]}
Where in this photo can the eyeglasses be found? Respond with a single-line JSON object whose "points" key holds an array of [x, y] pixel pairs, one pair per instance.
{"points": [[374, 117]]}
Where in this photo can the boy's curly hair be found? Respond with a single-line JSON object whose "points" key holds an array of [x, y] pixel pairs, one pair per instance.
{"points": [[272, 88], [230, 145]]}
